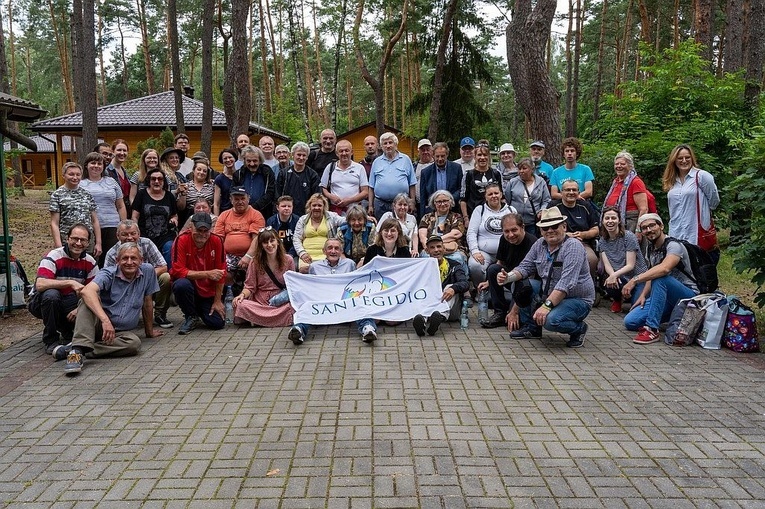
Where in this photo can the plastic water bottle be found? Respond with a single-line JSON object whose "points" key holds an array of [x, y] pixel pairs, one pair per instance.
{"points": [[483, 306], [464, 320], [229, 306]]}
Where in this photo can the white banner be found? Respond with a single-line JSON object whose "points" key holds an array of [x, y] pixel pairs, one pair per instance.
{"points": [[393, 289]]}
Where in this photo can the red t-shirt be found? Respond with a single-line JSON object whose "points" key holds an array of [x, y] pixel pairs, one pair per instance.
{"points": [[636, 186], [187, 256]]}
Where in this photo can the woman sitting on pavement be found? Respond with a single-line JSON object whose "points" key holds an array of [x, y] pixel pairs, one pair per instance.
{"points": [[620, 255], [261, 302], [484, 232]]}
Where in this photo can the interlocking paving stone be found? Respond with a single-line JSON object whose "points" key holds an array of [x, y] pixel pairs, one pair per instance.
{"points": [[242, 418]]}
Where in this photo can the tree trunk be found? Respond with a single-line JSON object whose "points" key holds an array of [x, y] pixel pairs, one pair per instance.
{"points": [[754, 54], [645, 22], [703, 24], [264, 59], [527, 35], [376, 84], [298, 75], [321, 95], [101, 64], [86, 78], [734, 32], [223, 34], [336, 70], [276, 63], [145, 49], [676, 31], [208, 11], [63, 55], [438, 76], [11, 46], [569, 69], [577, 57], [236, 90], [599, 71], [15, 163], [175, 59]]}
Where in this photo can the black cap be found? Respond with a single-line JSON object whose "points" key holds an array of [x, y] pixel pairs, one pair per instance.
{"points": [[202, 220], [237, 190]]}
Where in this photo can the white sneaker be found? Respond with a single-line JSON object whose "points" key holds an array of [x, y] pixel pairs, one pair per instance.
{"points": [[368, 334]]}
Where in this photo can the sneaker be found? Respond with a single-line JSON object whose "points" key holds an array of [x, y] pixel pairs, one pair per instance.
{"points": [[61, 352], [160, 320], [495, 320], [49, 348], [527, 332], [616, 306], [419, 325], [577, 340], [646, 336], [189, 324], [434, 322], [296, 336], [73, 362], [368, 334]]}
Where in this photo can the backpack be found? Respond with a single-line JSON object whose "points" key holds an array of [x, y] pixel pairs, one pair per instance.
{"points": [[651, 201], [703, 270]]}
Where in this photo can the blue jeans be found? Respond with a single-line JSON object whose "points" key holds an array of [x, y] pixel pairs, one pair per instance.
{"points": [[193, 305], [167, 248], [304, 327], [567, 317], [665, 293]]}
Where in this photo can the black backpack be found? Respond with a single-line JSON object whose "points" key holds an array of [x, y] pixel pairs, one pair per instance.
{"points": [[703, 270]]}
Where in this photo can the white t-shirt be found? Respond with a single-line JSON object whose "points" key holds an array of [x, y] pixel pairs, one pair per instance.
{"points": [[345, 183]]}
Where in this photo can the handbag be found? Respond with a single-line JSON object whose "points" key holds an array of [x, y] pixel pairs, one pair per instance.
{"points": [[740, 333], [714, 321], [690, 323], [706, 238]]}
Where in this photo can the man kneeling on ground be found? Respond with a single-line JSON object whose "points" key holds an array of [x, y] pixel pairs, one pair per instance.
{"points": [[109, 308], [454, 282], [566, 287]]}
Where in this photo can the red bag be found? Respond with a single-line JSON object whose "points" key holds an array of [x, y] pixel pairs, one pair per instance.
{"points": [[706, 238]]}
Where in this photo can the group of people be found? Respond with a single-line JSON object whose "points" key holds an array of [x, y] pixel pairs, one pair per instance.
{"points": [[526, 233]]}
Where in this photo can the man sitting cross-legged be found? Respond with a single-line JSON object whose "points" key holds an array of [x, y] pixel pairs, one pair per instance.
{"points": [[334, 264], [109, 309]]}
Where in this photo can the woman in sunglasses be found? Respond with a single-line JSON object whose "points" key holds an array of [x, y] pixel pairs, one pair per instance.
{"points": [[155, 211]]}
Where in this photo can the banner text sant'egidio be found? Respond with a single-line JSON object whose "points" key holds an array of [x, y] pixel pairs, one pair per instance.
{"points": [[367, 301]]}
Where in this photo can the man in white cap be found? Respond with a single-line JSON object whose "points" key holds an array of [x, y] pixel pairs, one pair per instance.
{"points": [[506, 165], [537, 151], [671, 280], [425, 159], [563, 283]]}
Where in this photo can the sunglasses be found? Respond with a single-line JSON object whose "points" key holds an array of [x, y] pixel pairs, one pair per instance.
{"points": [[266, 229], [554, 227]]}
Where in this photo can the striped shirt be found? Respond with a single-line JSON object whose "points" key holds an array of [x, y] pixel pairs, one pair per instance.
{"points": [[57, 264]]}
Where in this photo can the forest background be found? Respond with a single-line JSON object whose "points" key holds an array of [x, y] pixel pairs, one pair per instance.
{"points": [[636, 75]]}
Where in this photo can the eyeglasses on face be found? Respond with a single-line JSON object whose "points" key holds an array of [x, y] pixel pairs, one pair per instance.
{"points": [[79, 240], [553, 227], [441, 202], [157, 179], [646, 227]]}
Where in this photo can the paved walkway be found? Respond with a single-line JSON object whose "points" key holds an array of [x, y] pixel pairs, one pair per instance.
{"points": [[242, 418]]}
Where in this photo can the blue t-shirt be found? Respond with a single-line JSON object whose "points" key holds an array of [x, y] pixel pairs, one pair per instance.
{"points": [[390, 177], [581, 173]]}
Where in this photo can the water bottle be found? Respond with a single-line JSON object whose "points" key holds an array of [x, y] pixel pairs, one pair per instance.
{"points": [[464, 320], [483, 306], [229, 306]]}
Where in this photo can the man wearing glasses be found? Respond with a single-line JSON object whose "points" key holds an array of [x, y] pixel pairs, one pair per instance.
{"points": [[199, 273], [662, 286], [62, 274], [563, 283]]}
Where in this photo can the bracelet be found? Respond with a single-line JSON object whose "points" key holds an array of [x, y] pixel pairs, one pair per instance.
{"points": [[248, 256]]}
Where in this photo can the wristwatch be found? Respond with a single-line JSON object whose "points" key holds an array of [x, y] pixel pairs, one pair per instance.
{"points": [[549, 304]]}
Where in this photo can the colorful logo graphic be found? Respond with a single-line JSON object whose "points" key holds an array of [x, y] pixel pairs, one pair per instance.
{"points": [[371, 284]]}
